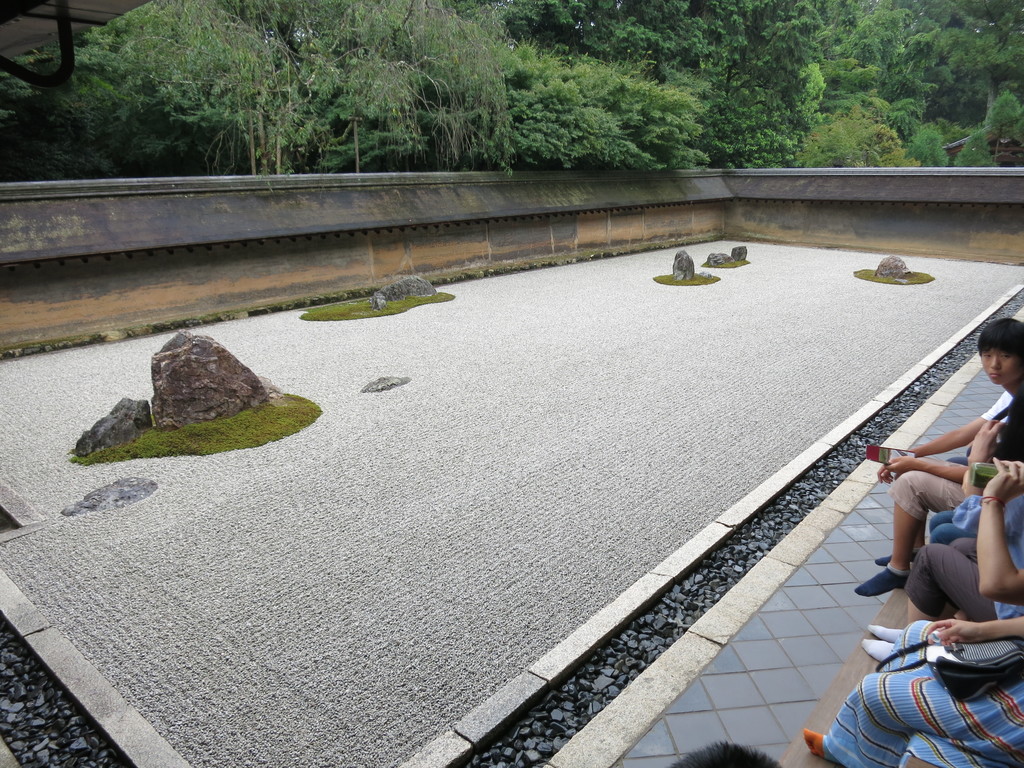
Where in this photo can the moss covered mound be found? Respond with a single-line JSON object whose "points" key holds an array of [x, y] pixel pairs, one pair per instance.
{"points": [[695, 280], [727, 265], [247, 429], [357, 310], [916, 278]]}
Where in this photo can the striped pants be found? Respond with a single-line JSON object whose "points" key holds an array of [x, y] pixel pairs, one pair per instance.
{"points": [[895, 713]]}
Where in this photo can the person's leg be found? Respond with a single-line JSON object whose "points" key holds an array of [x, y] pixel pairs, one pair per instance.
{"points": [[944, 581], [947, 533], [940, 518], [914, 494], [907, 530], [864, 733]]}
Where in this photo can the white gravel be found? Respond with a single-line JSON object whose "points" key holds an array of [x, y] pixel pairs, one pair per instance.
{"points": [[342, 596]]}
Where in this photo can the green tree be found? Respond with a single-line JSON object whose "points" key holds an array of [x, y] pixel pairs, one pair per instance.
{"points": [[277, 86], [760, 100], [591, 115], [54, 133], [1005, 119], [876, 62], [976, 151], [667, 34], [855, 140], [986, 38], [1004, 123], [925, 146]]}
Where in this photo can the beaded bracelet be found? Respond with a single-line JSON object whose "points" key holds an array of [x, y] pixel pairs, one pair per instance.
{"points": [[992, 498]]}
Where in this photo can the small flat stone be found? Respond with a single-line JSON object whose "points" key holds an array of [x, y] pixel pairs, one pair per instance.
{"points": [[602, 682], [385, 383], [120, 493]]}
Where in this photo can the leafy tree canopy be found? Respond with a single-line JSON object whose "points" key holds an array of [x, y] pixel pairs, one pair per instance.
{"points": [[182, 87], [854, 140]]}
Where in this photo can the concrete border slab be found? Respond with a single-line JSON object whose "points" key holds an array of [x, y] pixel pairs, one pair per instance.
{"points": [[514, 698], [126, 729], [447, 749]]}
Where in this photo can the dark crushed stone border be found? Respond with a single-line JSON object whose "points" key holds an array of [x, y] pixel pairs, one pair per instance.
{"points": [[39, 721]]}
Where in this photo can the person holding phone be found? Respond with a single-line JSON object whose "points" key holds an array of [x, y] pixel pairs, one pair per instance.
{"points": [[920, 485]]}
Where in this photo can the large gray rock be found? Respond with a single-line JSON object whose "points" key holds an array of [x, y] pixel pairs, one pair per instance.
{"points": [[195, 379], [739, 253], [718, 259], [682, 266], [410, 285], [128, 419], [894, 267]]}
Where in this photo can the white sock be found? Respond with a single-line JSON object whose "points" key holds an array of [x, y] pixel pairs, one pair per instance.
{"points": [[885, 633], [879, 650]]}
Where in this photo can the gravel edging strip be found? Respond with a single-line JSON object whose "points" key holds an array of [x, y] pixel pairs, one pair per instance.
{"points": [[554, 676], [29, 642]]}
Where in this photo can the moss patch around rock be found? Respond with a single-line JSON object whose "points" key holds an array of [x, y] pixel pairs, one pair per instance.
{"points": [[916, 278], [357, 310], [695, 280], [727, 265], [248, 429]]}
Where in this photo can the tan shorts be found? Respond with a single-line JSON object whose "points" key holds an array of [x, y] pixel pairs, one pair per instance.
{"points": [[919, 493]]}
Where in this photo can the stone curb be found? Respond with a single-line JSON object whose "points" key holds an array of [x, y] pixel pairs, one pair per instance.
{"points": [[21, 512], [128, 732], [623, 722]]}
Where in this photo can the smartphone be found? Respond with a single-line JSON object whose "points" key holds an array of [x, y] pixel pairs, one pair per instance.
{"points": [[981, 473], [885, 455]]}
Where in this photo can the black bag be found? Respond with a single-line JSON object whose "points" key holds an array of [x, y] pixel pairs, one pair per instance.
{"points": [[967, 670]]}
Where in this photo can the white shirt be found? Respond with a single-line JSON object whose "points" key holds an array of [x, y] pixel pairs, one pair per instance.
{"points": [[1003, 402]]}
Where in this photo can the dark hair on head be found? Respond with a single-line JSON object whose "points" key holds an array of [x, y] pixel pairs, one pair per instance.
{"points": [[1004, 334], [1011, 437], [722, 754]]}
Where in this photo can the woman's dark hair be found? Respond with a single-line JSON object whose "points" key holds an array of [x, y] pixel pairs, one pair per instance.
{"points": [[1004, 334], [1011, 437], [722, 754]]}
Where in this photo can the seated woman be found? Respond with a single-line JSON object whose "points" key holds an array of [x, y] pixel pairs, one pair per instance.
{"points": [[896, 711]]}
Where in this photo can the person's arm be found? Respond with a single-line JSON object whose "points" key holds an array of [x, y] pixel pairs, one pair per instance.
{"points": [[959, 631], [943, 469], [983, 448], [1000, 579], [953, 439]]}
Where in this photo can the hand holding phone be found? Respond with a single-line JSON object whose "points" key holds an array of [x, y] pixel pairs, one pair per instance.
{"points": [[885, 455]]}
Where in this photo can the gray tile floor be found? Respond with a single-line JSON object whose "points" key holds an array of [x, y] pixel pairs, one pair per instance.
{"points": [[761, 687]]}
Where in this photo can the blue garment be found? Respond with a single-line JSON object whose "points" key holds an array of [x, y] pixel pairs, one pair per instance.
{"points": [[968, 514], [907, 711], [942, 531]]}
